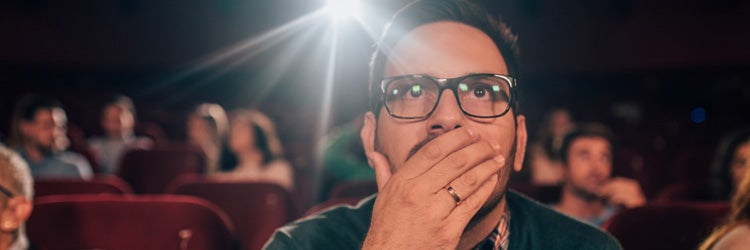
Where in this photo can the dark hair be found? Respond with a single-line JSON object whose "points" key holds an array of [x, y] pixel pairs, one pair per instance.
{"points": [[421, 12], [266, 139], [121, 101], [591, 130], [739, 213], [721, 183], [25, 111]]}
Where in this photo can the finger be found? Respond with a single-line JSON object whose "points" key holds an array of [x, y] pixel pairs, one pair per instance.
{"points": [[462, 214], [469, 183], [608, 189], [458, 163], [382, 168], [437, 149]]}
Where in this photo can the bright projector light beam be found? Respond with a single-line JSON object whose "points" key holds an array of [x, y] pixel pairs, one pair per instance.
{"points": [[343, 9]]}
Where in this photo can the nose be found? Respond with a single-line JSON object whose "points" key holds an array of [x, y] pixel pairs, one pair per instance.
{"points": [[447, 115]]}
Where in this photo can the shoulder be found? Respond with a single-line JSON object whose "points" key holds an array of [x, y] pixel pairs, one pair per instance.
{"points": [[279, 165], [142, 143], [96, 140], [78, 161], [72, 157], [540, 227], [736, 238], [341, 227]]}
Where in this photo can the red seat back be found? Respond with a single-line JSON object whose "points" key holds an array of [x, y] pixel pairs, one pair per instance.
{"points": [[666, 226], [153, 131], [97, 185], [256, 209], [128, 222], [150, 171]]}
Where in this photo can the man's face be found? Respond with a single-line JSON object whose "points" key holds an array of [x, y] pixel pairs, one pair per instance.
{"points": [[445, 50], [117, 121], [48, 129], [589, 165]]}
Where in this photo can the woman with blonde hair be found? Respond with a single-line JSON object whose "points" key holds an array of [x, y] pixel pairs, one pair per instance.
{"points": [[735, 233], [207, 128], [16, 192]]}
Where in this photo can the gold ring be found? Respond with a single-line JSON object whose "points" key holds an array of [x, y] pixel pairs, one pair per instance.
{"points": [[453, 194]]}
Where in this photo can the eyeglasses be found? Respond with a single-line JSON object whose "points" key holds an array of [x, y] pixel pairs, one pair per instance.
{"points": [[478, 95], [6, 191]]}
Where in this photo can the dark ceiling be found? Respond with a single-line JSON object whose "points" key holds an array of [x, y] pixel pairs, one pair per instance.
{"points": [[556, 36]]}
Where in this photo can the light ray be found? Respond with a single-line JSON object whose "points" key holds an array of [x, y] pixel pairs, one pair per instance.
{"points": [[246, 46]]}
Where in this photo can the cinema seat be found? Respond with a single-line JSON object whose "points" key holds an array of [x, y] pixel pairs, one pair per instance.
{"points": [[666, 226], [96, 185], [128, 222], [256, 209], [150, 171]]}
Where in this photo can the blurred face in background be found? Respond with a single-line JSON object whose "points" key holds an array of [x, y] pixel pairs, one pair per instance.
{"points": [[241, 135], [47, 131], [200, 132], [738, 165], [589, 166], [117, 121]]}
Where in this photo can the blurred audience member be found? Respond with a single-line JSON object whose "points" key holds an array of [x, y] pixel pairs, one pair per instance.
{"points": [[589, 192], [118, 121], [546, 168], [253, 140], [735, 233], [207, 128], [729, 163], [343, 157], [39, 127], [16, 190]]}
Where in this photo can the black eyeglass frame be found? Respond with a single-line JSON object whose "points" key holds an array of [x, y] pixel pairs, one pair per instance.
{"points": [[452, 84], [7, 192]]}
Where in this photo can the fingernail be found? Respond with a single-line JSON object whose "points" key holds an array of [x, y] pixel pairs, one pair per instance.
{"points": [[370, 161], [494, 177], [495, 146], [471, 132], [499, 159]]}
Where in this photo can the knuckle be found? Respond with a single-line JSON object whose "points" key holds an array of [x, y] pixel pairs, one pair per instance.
{"points": [[410, 195], [472, 203], [469, 179], [457, 161]]}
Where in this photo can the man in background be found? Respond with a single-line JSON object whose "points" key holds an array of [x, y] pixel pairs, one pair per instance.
{"points": [[39, 135], [118, 121], [589, 192]]}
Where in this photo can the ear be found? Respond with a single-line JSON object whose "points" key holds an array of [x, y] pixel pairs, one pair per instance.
{"points": [[521, 138], [376, 160], [367, 134], [15, 213]]}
